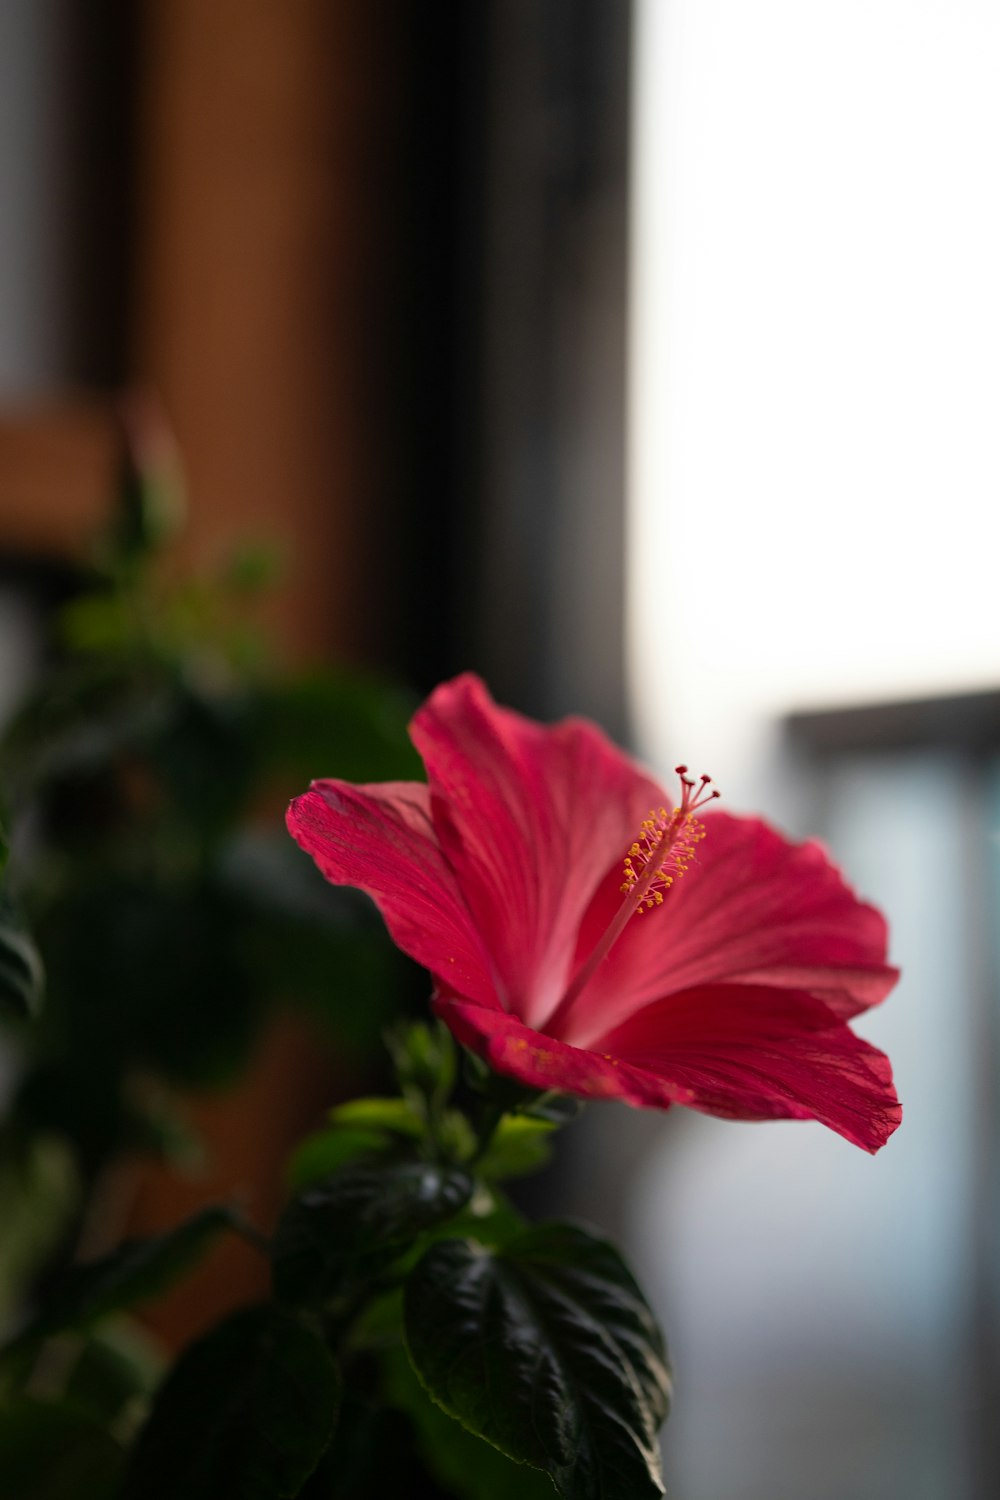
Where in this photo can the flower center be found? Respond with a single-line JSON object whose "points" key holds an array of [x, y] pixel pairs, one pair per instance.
{"points": [[666, 845]]}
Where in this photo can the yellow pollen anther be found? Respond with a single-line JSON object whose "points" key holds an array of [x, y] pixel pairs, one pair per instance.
{"points": [[666, 845]]}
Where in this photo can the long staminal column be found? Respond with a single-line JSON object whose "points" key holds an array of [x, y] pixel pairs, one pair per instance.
{"points": [[662, 853]]}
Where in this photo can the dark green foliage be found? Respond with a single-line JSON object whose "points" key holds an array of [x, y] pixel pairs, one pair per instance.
{"points": [[548, 1350], [152, 765], [113, 1375], [361, 1128], [520, 1144], [51, 1451], [326, 1152], [426, 1062], [20, 967], [374, 1454], [39, 1196], [466, 1467], [292, 729], [359, 1221], [21, 977], [135, 1273], [246, 1413], [175, 915]]}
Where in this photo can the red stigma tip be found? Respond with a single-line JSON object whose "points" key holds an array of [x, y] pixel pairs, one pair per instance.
{"points": [[705, 778], [716, 794], [680, 770]]}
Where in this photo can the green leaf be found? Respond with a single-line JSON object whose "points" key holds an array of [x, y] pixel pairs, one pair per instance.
{"points": [[39, 1194], [54, 1452], [425, 1060], [21, 976], [324, 1153], [489, 1219], [115, 1373], [253, 568], [519, 1144], [374, 1127], [136, 1272], [396, 1115], [557, 1109], [348, 725], [246, 1413], [361, 1218], [548, 1350], [373, 1455], [463, 1465]]}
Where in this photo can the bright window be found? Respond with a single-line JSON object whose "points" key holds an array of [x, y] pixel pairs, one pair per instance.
{"points": [[815, 445], [813, 521]]}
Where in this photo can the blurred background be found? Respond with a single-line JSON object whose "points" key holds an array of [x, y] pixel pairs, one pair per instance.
{"points": [[641, 356]]}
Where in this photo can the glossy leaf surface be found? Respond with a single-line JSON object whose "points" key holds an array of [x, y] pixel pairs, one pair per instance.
{"points": [[362, 1214], [21, 976], [247, 1413], [549, 1351]]}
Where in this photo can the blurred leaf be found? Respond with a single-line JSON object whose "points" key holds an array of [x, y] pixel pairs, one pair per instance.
{"points": [[136, 1272], [154, 976], [378, 1126], [116, 1369], [21, 974], [548, 1350], [246, 1413], [520, 1144], [453, 1137], [324, 1153], [81, 717], [348, 979], [54, 1452], [149, 500], [334, 724], [555, 1109], [99, 622], [159, 1123], [426, 1060], [39, 1194], [489, 1218], [397, 1116], [203, 756], [80, 1108], [253, 568], [361, 1216]]}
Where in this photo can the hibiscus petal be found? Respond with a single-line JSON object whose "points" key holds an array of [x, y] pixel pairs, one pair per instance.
{"points": [[380, 838], [542, 1062], [754, 908], [529, 818], [748, 1052], [737, 1051]]}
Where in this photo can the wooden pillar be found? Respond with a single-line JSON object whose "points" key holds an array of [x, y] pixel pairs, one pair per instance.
{"points": [[265, 240], [265, 165]]}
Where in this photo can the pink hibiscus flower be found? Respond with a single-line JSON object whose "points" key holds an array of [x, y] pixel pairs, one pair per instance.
{"points": [[586, 934]]}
